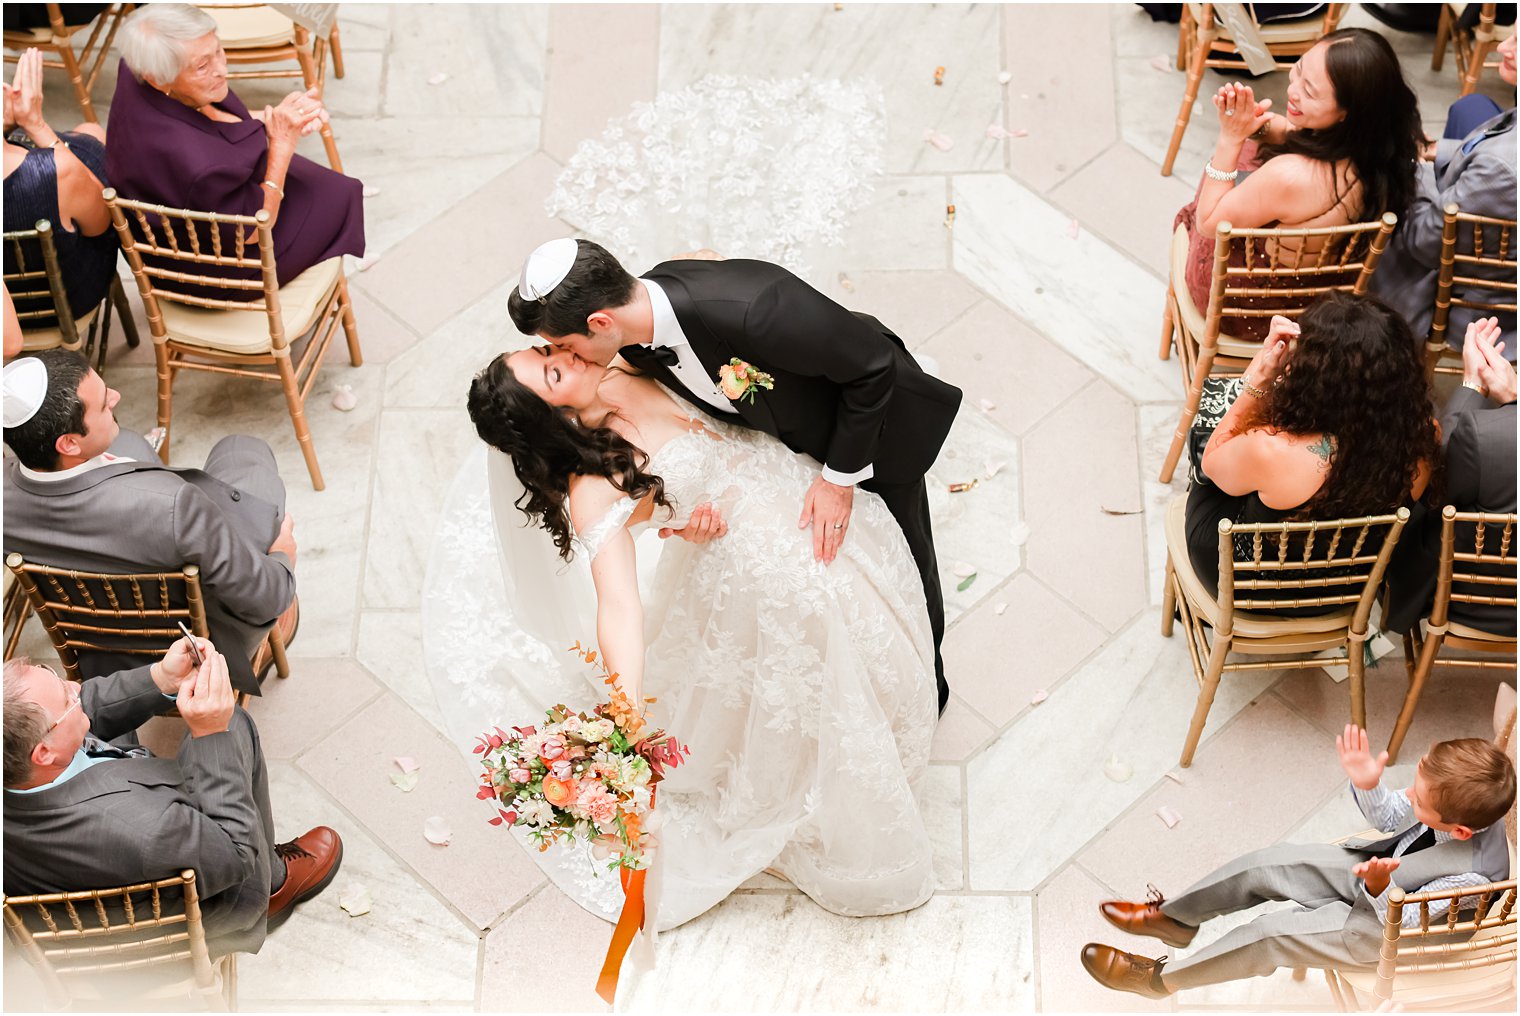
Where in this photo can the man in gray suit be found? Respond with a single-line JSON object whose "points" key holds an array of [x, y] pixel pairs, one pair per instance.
{"points": [[82, 493], [1478, 448], [1475, 169], [1446, 832], [81, 813]]}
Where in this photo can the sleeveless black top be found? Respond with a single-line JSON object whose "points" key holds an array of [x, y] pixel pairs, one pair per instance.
{"points": [[87, 263]]}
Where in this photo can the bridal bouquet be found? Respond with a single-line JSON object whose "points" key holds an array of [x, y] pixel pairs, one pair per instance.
{"points": [[587, 777]]}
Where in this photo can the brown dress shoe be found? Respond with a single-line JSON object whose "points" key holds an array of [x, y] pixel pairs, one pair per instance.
{"points": [[1122, 971], [311, 861], [1147, 919]]}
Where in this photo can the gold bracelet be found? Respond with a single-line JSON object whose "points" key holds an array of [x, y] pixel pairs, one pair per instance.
{"points": [[1251, 389], [274, 187]]}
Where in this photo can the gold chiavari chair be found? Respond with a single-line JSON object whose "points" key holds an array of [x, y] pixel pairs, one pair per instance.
{"points": [[1463, 961], [1204, 41], [1287, 268], [144, 941], [59, 39], [36, 285], [259, 34], [1336, 564], [232, 337], [129, 614], [1477, 272], [1471, 46], [1477, 566]]}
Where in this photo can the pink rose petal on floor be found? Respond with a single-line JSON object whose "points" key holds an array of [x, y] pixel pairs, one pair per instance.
{"points": [[1018, 132], [406, 763], [938, 140], [997, 132], [436, 831], [1162, 62], [1038, 697], [438, 79], [1169, 816], [1073, 229], [987, 404]]}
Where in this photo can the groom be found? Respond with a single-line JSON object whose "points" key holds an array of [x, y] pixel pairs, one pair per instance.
{"points": [[845, 389]]}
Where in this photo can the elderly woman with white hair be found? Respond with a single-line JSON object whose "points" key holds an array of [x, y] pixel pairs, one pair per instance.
{"points": [[180, 137]]}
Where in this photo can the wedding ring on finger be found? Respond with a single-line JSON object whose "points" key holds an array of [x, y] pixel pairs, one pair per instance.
{"points": [[839, 525]]}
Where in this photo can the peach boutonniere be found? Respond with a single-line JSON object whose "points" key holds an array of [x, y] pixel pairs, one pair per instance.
{"points": [[738, 380]]}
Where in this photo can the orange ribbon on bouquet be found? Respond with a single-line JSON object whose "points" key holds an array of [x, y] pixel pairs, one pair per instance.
{"points": [[629, 922]]}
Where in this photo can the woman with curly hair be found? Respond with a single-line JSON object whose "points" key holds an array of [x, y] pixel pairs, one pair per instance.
{"points": [[1334, 420], [804, 690], [1345, 150]]}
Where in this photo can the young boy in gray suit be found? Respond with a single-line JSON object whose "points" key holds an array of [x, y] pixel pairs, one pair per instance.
{"points": [[1444, 832]]}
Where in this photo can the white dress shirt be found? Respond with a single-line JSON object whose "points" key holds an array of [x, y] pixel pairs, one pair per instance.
{"points": [[103, 459], [693, 375], [1389, 809]]}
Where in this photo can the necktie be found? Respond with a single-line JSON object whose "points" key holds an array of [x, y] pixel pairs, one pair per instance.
{"points": [[644, 355], [1425, 839], [96, 748]]}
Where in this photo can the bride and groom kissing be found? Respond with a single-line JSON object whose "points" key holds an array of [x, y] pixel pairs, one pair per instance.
{"points": [[798, 657]]}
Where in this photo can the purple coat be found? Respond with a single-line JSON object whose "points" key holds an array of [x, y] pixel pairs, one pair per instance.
{"points": [[163, 151]]}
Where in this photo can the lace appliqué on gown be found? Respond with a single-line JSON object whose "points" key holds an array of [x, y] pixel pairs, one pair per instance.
{"points": [[750, 167], [805, 692]]}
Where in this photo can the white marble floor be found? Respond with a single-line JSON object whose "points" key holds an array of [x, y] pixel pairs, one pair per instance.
{"points": [[1042, 301]]}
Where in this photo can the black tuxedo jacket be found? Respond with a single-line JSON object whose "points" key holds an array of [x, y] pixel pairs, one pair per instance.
{"points": [[847, 391]]}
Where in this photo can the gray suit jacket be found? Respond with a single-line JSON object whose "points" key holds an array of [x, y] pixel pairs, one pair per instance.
{"points": [[143, 516], [1481, 182], [1479, 444], [141, 818]]}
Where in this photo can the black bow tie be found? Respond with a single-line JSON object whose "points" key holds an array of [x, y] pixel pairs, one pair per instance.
{"points": [[644, 355]]}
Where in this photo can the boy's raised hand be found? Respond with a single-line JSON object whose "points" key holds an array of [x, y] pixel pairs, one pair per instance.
{"points": [[1376, 873], [1356, 758]]}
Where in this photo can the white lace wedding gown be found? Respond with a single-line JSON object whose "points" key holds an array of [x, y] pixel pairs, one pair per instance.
{"points": [[805, 692]]}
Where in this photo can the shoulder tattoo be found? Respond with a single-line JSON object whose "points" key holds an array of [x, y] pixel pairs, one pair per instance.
{"points": [[1324, 448]]}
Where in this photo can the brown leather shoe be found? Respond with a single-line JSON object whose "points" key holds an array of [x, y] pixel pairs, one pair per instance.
{"points": [[288, 624], [1122, 971], [1147, 919], [311, 861]]}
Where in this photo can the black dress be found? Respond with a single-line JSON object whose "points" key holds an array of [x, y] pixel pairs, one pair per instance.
{"points": [[87, 263], [1206, 506]]}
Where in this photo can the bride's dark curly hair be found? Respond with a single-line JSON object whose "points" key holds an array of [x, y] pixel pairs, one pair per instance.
{"points": [[1356, 375], [548, 447]]}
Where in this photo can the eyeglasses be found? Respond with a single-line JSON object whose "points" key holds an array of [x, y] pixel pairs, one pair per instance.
{"points": [[71, 689]]}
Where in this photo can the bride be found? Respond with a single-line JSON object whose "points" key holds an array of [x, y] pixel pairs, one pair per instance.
{"points": [[805, 692]]}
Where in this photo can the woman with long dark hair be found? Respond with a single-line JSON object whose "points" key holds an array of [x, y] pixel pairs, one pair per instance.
{"points": [[805, 690], [1334, 420], [1344, 150]]}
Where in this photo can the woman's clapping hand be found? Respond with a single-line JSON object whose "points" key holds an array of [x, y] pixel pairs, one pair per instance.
{"points": [[23, 96], [297, 115], [1240, 115]]}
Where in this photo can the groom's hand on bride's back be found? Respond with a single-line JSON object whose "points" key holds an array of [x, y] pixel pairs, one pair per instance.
{"points": [[706, 524]]}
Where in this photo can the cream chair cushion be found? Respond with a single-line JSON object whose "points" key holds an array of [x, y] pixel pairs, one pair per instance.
{"points": [[34, 339], [1329, 627], [247, 331], [255, 27]]}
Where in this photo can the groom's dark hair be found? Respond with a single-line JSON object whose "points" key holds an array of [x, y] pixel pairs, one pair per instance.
{"points": [[595, 282]]}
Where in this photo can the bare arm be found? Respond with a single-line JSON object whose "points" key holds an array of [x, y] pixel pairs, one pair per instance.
{"points": [[614, 570]]}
